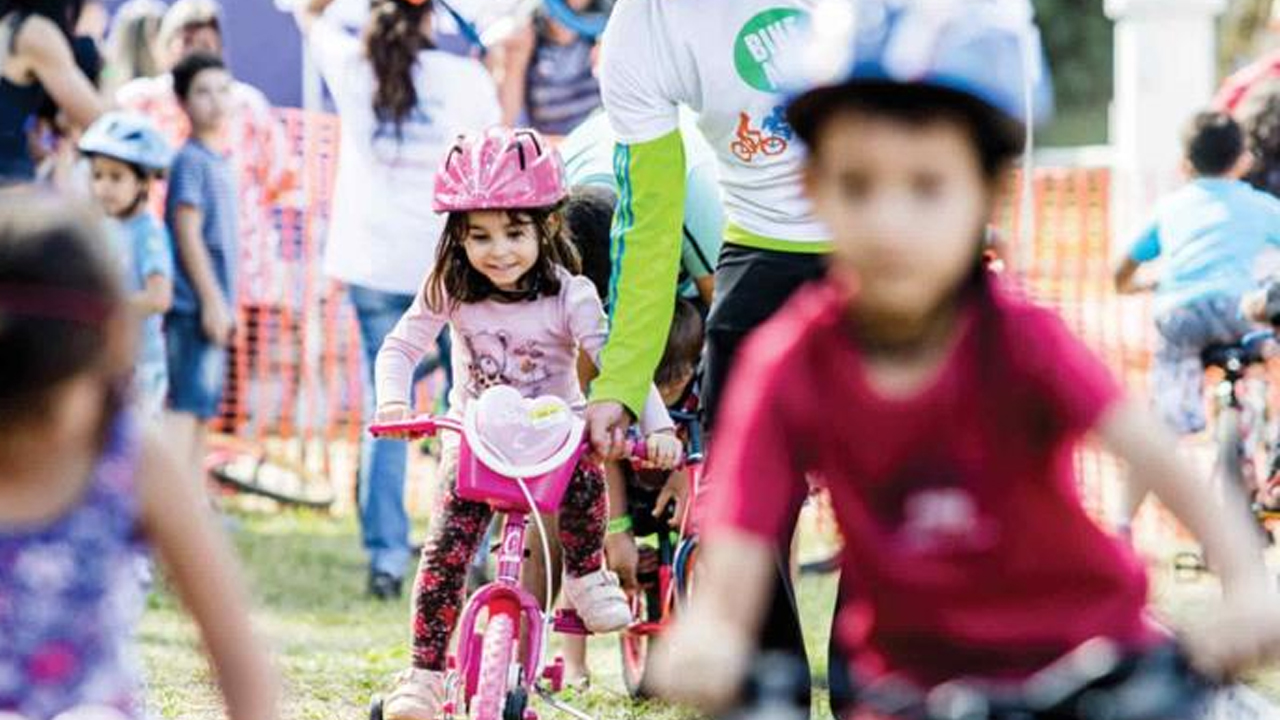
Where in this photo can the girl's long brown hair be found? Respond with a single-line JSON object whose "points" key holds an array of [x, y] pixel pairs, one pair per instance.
{"points": [[392, 40], [454, 281]]}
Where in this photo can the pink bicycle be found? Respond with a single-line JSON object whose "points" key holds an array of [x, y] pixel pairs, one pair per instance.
{"points": [[516, 455]]}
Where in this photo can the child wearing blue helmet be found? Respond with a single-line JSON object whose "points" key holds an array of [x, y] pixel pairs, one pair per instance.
{"points": [[127, 152], [941, 410]]}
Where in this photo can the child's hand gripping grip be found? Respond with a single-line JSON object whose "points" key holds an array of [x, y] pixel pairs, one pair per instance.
{"points": [[637, 449], [413, 428], [638, 454]]}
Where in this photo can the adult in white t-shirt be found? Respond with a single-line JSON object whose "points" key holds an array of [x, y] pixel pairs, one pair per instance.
{"points": [[401, 103], [723, 59]]}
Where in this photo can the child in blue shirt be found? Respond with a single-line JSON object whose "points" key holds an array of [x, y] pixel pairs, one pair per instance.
{"points": [[1209, 233], [126, 153], [200, 210]]}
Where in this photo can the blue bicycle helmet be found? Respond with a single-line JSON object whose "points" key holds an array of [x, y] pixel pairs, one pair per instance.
{"points": [[129, 138], [984, 50]]}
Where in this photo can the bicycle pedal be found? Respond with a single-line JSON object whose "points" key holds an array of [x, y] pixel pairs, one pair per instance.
{"points": [[554, 674], [567, 622]]}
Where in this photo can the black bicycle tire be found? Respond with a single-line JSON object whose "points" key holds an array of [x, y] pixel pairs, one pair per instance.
{"points": [[822, 566], [219, 472], [682, 565], [653, 611]]}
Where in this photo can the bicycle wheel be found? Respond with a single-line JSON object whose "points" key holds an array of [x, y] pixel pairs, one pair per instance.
{"points": [[821, 566], [246, 467], [495, 663], [646, 607], [773, 145], [517, 702], [683, 568], [743, 150]]}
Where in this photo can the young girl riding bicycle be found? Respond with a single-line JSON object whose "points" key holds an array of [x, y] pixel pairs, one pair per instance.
{"points": [[504, 283]]}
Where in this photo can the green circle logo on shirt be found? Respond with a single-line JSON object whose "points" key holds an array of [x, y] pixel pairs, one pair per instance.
{"points": [[759, 44]]}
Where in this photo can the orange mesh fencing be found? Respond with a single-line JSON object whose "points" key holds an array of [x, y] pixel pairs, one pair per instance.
{"points": [[297, 371], [1067, 264], [295, 379]]}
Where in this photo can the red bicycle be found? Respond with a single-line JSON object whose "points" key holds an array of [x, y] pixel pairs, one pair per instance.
{"points": [[666, 571]]}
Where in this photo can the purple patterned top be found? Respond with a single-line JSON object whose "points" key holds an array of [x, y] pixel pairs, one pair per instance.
{"points": [[69, 597]]}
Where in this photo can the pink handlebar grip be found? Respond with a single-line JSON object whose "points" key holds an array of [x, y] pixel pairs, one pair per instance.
{"points": [[638, 452], [422, 426]]}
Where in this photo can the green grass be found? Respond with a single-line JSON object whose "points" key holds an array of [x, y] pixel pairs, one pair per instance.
{"points": [[336, 648]]}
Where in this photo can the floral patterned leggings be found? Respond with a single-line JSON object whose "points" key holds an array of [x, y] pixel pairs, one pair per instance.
{"points": [[458, 530]]}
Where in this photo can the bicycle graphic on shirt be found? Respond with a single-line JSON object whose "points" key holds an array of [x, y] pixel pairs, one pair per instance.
{"points": [[752, 142]]}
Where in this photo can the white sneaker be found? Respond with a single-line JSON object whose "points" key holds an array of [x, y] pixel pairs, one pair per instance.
{"points": [[599, 601], [418, 695]]}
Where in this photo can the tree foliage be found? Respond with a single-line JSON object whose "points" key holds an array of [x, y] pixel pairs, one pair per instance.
{"points": [[1077, 37]]}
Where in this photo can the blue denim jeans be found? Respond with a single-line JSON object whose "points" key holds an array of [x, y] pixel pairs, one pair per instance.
{"points": [[384, 522]]}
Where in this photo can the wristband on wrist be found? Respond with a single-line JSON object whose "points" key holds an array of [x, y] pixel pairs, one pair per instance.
{"points": [[621, 524]]}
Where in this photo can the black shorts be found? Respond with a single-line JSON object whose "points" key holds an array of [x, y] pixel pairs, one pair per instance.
{"points": [[751, 285]]}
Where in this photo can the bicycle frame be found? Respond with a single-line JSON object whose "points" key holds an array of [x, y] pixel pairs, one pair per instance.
{"points": [[670, 554], [504, 595], [1240, 420], [542, 490]]}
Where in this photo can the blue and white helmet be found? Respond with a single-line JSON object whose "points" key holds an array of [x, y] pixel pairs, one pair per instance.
{"points": [[987, 49], [130, 138]]}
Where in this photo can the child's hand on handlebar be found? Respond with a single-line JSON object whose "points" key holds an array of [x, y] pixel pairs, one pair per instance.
{"points": [[389, 413], [663, 450], [702, 662], [1244, 634], [676, 492]]}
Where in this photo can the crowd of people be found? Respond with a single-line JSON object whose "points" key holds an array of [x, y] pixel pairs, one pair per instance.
{"points": [[772, 213]]}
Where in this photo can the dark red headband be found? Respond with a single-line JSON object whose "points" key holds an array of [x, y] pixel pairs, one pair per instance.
{"points": [[50, 303]]}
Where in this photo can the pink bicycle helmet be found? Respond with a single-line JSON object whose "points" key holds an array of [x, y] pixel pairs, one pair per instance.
{"points": [[499, 169]]}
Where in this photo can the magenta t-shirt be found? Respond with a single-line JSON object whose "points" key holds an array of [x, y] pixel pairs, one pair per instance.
{"points": [[967, 549]]}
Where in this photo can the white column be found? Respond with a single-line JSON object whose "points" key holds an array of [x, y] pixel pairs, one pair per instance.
{"points": [[1165, 72]]}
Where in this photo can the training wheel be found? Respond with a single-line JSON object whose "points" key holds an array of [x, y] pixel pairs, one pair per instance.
{"points": [[1188, 566]]}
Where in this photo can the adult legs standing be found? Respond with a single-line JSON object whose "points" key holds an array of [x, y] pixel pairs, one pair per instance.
{"points": [[384, 522], [751, 285]]}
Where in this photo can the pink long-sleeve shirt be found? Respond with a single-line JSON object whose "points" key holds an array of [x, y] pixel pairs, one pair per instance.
{"points": [[531, 346]]}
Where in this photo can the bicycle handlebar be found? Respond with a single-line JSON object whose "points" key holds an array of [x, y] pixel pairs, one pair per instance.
{"points": [[414, 428], [1096, 681], [428, 425]]}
